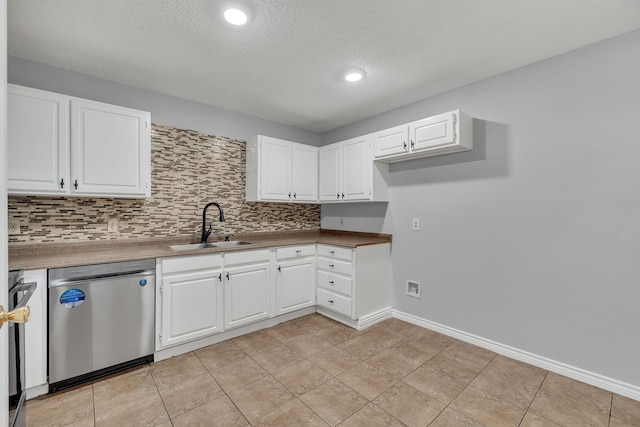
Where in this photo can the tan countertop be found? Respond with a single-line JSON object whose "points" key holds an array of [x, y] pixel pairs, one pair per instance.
{"points": [[53, 255]]}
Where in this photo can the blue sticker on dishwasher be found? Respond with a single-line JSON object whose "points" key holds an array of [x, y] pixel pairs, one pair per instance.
{"points": [[143, 282], [71, 298]]}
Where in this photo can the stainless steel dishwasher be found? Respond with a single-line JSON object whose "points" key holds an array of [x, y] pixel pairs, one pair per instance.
{"points": [[101, 320]]}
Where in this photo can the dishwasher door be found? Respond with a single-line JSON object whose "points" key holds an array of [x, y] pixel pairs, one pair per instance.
{"points": [[98, 323]]}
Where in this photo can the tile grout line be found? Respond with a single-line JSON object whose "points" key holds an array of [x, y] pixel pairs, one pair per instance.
{"points": [[222, 388], [464, 388], [534, 398]]}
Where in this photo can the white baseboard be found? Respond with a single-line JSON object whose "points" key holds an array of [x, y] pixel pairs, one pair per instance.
{"points": [[363, 322], [38, 390], [624, 389]]}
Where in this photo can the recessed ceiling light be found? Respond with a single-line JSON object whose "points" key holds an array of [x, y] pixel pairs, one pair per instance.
{"points": [[235, 16], [354, 75]]}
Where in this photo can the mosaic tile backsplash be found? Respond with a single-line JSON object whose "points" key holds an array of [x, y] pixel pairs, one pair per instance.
{"points": [[188, 170]]}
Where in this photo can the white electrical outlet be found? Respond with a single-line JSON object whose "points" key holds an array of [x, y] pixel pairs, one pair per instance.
{"points": [[112, 225], [415, 224], [14, 227]]}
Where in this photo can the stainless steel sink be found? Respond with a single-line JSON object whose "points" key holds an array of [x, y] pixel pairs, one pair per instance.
{"points": [[194, 246]]}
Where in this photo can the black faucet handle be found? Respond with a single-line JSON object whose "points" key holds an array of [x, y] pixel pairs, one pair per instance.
{"points": [[227, 237]]}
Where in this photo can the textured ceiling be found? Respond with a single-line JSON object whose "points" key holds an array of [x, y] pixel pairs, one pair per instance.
{"points": [[286, 64]]}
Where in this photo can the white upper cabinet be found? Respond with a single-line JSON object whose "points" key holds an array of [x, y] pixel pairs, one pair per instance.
{"points": [[60, 145], [391, 142], [281, 171], [347, 172], [38, 141], [442, 134], [304, 173], [275, 169], [110, 150], [356, 169], [330, 173]]}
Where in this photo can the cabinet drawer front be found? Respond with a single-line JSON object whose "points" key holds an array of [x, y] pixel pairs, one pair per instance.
{"points": [[295, 252], [334, 282], [334, 265], [334, 302], [244, 257], [335, 252], [191, 262]]}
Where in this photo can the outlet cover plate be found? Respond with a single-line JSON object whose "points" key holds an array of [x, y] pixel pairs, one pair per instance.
{"points": [[14, 227]]}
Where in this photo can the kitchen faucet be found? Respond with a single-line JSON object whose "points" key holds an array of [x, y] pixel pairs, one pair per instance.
{"points": [[205, 232]]}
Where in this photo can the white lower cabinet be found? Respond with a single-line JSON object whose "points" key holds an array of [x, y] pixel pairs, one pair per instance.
{"points": [[36, 333], [191, 298], [295, 278], [247, 289], [353, 284], [201, 295]]}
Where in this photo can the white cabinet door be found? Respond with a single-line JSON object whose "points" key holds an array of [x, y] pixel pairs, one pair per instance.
{"points": [[247, 294], [295, 285], [36, 330], [391, 141], [37, 141], [304, 173], [110, 149], [275, 169], [330, 172], [433, 132], [191, 306], [356, 169]]}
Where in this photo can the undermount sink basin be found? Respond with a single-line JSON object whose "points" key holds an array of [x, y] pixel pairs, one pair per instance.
{"points": [[194, 246]]}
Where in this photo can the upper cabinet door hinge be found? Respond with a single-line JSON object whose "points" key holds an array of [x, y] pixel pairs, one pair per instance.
{"points": [[455, 119]]}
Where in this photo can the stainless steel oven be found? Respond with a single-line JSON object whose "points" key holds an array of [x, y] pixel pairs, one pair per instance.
{"points": [[16, 315]]}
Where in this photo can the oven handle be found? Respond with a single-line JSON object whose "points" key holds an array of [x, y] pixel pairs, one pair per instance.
{"points": [[28, 289]]}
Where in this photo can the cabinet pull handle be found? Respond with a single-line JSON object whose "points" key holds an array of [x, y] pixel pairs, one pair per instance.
{"points": [[279, 269], [332, 266], [220, 277], [412, 144], [331, 282], [404, 144], [289, 194], [298, 251], [332, 252], [61, 182], [294, 195], [75, 184], [228, 276], [343, 195], [330, 301], [338, 195]]}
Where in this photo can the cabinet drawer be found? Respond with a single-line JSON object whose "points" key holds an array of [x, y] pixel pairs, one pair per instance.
{"points": [[335, 266], [191, 262], [295, 252], [334, 252], [334, 282], [334, 302], [246, 257]]}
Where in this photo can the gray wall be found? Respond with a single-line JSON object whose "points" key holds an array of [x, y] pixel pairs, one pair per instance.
{"points": [[533, 239], [165, 110]]}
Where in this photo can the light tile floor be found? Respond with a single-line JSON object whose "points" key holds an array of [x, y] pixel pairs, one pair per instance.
{"points": [[313, 371]]}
